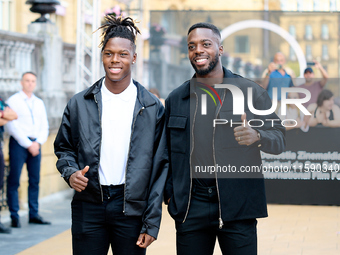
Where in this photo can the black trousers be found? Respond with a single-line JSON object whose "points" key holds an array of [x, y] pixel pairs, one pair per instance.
{"points": [[18, 156], [97, 226], [2, 168], [197, 235]]}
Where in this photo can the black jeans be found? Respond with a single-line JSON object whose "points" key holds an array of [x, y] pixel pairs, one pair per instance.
{"points": [[2, 168], [197, 235], [97, 226]]}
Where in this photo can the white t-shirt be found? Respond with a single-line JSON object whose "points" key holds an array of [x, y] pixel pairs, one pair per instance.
{"points": [[117, 116]]}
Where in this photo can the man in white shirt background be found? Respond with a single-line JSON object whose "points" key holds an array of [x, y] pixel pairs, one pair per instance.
{"points": [[27, 134]]}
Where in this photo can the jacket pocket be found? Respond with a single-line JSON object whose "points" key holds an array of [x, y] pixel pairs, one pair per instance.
{"points": [[177, 129]]}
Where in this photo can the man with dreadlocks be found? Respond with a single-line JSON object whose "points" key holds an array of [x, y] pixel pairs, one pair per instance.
{"points": [[111, 151]]}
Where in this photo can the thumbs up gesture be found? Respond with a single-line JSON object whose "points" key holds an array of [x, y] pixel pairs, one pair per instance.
{"points": [[244, 134], [78, 181]]}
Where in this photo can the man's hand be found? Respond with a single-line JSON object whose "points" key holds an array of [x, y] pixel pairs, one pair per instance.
{"points": [[34, 149], [299, 124], [317, 64], [78, 181], [272, 67], [245, 135], [9, 114], [144, 240]]}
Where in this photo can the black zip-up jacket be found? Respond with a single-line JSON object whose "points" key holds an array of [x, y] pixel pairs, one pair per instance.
{"points": [[78, 144], [240, 196]]}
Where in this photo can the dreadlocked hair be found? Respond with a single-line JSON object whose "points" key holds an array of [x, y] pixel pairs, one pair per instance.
{"points": [[118, 27]]}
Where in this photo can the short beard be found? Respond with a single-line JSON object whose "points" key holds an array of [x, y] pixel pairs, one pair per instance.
{"points": [[211, 66]]}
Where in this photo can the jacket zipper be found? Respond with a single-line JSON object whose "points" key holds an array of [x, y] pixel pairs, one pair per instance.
{"points": [[192, 149], [100, 145], [218, 192], [133, 127]]}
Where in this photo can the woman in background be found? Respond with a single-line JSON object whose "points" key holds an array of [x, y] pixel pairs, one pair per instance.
{"points": [[324, 112]]}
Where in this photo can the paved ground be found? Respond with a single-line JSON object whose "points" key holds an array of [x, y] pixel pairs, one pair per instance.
{"points": [[289, 230], [55, 208]]}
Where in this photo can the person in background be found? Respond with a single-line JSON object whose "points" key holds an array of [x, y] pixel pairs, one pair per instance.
{"points": [[6, 115], [279, 59], [314, 87], [27, 134], [277, 76], [324, 111]]}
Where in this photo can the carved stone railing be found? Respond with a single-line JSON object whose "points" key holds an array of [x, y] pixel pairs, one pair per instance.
{"points": [[20, 53]]}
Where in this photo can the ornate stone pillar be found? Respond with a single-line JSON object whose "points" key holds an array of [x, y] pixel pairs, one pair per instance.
{"points": [[50, 71]]}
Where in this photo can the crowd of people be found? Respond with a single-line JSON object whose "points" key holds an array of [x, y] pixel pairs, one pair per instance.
{"points": [[323, 111], [124, 152]]}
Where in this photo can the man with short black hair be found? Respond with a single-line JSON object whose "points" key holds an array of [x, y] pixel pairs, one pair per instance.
{"points": [[206, 206], [314, 87]]}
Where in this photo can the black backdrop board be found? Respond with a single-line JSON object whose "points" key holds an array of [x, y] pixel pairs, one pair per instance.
{"points": [[308, 171]]}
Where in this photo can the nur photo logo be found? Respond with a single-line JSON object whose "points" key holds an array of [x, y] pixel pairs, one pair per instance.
{"points": [[239, 103], [205, 88]]}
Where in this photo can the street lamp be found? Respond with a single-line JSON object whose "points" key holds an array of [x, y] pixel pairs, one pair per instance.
{"points": [[43, 7]]}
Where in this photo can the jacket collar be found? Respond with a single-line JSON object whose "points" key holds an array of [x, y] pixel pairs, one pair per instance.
{"points": [[227, 74], [143, 96]]}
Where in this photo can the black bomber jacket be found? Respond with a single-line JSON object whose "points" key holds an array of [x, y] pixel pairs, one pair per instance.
{"points": [[241, 196], [78, 144]]}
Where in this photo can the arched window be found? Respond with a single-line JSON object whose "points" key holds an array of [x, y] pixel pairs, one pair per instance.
{"points": [[292, 31], [324, 32], [309, 55], [325, 55], [308, 32]]}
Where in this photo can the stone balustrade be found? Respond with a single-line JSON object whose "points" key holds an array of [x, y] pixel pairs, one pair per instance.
{"points": [[43, 52], [20, 53]]}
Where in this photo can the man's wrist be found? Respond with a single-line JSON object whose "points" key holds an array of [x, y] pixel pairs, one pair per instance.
{"points": [[258, 135]]}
